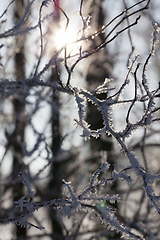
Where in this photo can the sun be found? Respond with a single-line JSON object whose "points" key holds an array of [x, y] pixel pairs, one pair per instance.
{"points": [[65, 38], [59, 38]]}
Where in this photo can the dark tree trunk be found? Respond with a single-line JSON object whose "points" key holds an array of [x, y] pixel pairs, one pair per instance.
{"points": [[98, 70], [55, 184], [56, 173], [19, 121]]}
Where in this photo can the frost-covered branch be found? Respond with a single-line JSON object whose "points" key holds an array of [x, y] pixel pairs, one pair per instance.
{"points": [[88, 198]]}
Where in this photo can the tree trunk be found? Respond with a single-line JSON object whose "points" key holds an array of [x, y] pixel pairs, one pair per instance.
{"points": [[19, 120], [55, 184], [98, 70]]}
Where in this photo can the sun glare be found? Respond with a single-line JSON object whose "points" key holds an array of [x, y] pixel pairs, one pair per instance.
{"points": [[65, 38], [59, 38]]}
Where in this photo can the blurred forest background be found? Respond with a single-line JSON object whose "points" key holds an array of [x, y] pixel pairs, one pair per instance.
{"points": [[63, 178]]}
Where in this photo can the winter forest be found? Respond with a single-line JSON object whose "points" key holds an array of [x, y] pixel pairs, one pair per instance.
{"points": [[79, 120]]}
